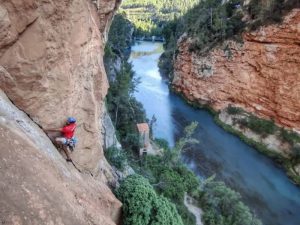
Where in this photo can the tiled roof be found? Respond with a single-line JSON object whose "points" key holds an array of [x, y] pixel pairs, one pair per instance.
{"points": [[142, 127]]}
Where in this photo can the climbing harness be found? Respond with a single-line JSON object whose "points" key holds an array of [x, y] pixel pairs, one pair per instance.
{"points": [[72, 143]]}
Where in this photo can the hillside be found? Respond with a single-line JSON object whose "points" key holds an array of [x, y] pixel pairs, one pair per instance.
{"points": [[150, 16]]}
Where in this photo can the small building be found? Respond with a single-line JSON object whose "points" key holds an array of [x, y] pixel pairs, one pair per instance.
{"points": [[144, 139]]}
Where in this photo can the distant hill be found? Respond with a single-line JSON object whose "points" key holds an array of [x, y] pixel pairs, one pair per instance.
{"points": [[149, 16]]}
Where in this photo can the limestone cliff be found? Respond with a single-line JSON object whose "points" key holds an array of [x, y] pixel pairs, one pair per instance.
{"points": [[38, 186], [51, 67], [261, 75]]}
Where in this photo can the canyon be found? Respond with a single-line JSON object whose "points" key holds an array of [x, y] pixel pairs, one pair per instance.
{"points": [[259, 74], [51, 67]]}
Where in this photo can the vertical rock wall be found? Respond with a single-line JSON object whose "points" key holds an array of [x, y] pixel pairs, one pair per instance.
{"points": [[38, 186], [51, 65], [261, 75]]}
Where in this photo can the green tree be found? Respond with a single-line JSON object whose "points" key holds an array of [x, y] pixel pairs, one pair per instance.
{"points": [[174, 182], [295, 155], [142, 206], [165, 213], [173, 156], [223, 206], [124, 109]]}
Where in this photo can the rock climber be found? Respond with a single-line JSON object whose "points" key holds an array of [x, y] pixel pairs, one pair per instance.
{"points": [[67, 141]]}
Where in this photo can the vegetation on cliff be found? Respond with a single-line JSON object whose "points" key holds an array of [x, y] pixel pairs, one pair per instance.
{"points": [[125, 111], [155, 196], [212, 21], [150, 16], [119, 37]]}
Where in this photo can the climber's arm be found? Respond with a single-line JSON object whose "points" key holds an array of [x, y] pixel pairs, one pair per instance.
{"points": [[54, 129]]}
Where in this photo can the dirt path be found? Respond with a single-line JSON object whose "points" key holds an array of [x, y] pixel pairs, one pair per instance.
{"points": [[188, 202]]}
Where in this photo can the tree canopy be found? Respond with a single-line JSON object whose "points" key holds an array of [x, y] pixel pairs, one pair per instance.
{"points": [[142, 206]]}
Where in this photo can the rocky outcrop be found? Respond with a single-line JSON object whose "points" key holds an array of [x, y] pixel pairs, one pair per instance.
{"points": [[38, 186], [260, 75], [109, 132], [51, 65]]}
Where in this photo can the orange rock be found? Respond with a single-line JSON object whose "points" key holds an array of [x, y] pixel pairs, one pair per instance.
{"points": [[51, 65], [51, 68], [262, 75]]}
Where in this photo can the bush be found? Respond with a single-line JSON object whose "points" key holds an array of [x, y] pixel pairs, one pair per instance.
{"points": [[295, 160], [233, 110], [273, 12], [289, 136], [191, 182], [142, 206], [116, 157], [172, 182], [162, 143], [222, 205], [260, 126], [164, 212], [172, 185], [137, 197]]}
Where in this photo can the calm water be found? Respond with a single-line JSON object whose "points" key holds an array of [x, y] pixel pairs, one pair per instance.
{"points": [[263, 186]]}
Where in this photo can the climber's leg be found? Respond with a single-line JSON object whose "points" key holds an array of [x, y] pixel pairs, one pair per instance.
{"points": [[63, 143]]}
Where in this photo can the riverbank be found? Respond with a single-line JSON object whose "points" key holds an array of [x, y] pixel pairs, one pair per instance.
{"points": [[282, 159]]}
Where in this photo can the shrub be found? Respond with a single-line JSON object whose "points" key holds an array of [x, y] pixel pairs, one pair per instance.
{"points": [[272, 12], [191, 182], [289, 136], [222, 205], [162, 143], [233, 110], [164, 212], [116, 157], [260, 126], [172, 185], [173, 181], [137, 197], [295, 155], [142, 206]]}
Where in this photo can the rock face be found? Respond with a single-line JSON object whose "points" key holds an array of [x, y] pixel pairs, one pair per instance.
{"points": [[262, 75], [109, 132], [38, 186], [51, 65]]}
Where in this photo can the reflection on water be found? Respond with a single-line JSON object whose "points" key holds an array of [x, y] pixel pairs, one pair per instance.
{"points": [[263, 186]]}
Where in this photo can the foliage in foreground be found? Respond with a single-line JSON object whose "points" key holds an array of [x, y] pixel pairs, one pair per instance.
{"points": [[170, 181], [223, 206], [142, 206]]}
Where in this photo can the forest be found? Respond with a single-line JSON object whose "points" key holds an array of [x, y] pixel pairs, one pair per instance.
{"points": [[149, 17]]}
